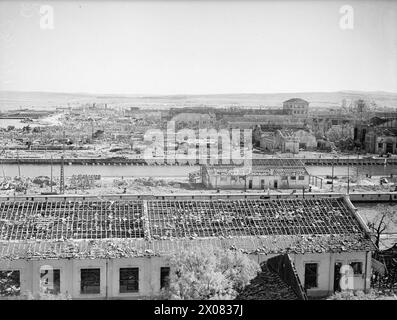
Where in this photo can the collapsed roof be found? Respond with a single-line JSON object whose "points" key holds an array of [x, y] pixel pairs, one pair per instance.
{"points": [[115, 229]]}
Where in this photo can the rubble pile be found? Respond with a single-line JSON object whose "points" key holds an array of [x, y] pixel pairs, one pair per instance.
{"points": [[18, 184], [267, 286]]}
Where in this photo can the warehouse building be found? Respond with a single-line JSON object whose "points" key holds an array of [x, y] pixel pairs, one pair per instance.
{"points": [[265, 174], [102, 249]]}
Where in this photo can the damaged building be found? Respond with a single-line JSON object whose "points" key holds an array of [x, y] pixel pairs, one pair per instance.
{"points": [[271, 174], [115, 249], [378, 135]]}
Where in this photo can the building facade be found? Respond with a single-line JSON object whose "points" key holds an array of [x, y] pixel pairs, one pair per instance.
{"points": [[296, 106], [257, 177]]}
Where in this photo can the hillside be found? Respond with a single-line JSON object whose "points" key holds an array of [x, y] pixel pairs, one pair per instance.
{"points": [[41, 100]]}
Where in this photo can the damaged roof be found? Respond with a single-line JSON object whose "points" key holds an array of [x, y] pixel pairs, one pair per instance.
{"points": [[115, 229], [257, 170], [267, 285]]}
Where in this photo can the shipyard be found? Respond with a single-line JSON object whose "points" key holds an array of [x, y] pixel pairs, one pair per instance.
{"points": [[190, 172]]}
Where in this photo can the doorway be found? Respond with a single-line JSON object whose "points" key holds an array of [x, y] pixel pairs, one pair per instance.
{"points": [[249, 184], [275, 184], [337, 276], [389, 147]]}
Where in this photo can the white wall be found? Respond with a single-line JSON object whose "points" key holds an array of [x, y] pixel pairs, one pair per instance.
{"points": [[149, 273]]}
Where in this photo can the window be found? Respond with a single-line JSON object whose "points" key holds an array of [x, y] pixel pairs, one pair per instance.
{"points": [[284, 178], [293, 177], [380, 145], [50, 281], [90, 281], [10, 283], [301, 177], [311, 275], [129, 280], [357, 267], [164, 277]]}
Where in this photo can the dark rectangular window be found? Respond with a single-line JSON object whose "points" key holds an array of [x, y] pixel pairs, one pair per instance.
{"points": [[380, 145], [129, 280], [50, 281], [293, 177], [90, 281], [301, 177], [357, 267], [10, 283], [311, 275], [164, 277]]}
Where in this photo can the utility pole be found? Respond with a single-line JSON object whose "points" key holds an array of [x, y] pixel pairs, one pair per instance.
{"points": [[332, 174], [62, 177], [348, 175], [51, 174], [19, 166]]}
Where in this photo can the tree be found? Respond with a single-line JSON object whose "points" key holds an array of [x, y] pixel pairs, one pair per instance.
{"points": [[209, 274], [386, 216]]}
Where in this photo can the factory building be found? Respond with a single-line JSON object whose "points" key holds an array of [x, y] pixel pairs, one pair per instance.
{"points": [[118, 249]]}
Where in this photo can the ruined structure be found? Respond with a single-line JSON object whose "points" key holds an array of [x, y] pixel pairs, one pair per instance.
{"points": [[114, 249]]}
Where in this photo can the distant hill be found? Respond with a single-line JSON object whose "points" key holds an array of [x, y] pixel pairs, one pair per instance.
{"points": [[10, 100]]}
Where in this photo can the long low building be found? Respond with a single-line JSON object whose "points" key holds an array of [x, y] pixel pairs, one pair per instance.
{"points": [[255, 177], [117, 249]]}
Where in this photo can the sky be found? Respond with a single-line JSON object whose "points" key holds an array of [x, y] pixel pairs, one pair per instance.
{"points": [[192, 47]]}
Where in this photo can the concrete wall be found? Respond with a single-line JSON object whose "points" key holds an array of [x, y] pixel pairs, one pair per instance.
{"points": [[149, 273], [326, 264]]}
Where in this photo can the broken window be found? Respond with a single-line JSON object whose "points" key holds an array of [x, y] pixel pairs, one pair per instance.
{"points": [[90, 281], [10, 283], [311, 275], [50, 281], [357, 267], [129, 280], [380, 145], [164, 277]]}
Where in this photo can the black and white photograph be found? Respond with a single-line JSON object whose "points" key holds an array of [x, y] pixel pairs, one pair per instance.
{"points": [[177, 150]]}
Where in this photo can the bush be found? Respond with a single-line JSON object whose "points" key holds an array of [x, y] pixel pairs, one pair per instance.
{"points": [[209, 274]]}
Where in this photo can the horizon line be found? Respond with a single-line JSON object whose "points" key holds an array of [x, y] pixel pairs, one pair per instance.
{"points": [[195, 94]]}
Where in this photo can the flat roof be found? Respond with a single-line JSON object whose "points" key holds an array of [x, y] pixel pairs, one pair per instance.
{"points": [[256, 170]]}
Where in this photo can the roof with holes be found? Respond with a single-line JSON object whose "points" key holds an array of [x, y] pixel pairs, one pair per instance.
{"points": [[124, 228]]}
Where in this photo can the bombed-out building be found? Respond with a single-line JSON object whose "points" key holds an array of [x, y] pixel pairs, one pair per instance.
{"points": [[378, 135], [117, 249]]}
